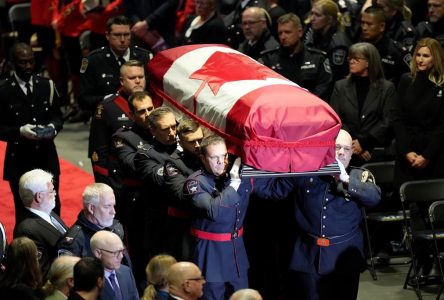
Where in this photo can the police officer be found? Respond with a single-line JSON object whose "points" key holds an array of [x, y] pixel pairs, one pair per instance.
{"points": [[177, 169], [112, 114], [351, 10], [220, 204], [258, 39], [30, 121], [395, 58], [328, 251], [100, 70], [304, 66], [126, 142], [325, 34], [434, 27], [149, 162]]}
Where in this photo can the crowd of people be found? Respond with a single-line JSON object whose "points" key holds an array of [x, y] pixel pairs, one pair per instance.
{"points": [[167, 209]]}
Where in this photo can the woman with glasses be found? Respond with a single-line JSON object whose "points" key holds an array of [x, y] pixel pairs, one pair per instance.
{"points": [[22, 278], [364, 102], [156, 273], [326, 33]]}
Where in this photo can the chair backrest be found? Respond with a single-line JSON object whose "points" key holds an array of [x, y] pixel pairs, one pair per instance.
{"points": [[422, 190], [19, 13], [382, 171], [436, 212], [3, 241]]}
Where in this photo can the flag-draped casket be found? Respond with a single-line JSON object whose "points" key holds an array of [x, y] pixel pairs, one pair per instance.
{"points": [[267, 120]]}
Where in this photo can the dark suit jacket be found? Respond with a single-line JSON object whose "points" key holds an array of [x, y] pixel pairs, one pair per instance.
{"points": [[212, 32], [127, 285], [16, 110], [43, 234]]}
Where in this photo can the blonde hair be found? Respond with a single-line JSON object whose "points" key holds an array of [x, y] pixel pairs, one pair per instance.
{"points": [[61, 270], [156, 273], [400, 6], [330, 9], [436, 74]]}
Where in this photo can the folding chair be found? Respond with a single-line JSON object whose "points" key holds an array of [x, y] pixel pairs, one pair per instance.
{"points": [[20, 20], [383, 214], [420, 195], [3, 242], [436, 215]]}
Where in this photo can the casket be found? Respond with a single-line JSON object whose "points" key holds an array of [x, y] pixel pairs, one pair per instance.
{"points": [[270, 122]]}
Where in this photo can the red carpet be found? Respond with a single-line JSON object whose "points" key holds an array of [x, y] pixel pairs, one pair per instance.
{"points": [[72, 183]]}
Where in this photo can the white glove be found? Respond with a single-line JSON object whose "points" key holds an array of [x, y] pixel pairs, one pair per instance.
{"points": [[343, 176], [27, 132], [235, 180]]}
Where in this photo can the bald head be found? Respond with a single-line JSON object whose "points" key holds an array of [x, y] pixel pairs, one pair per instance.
{"points": [[103, 239], [344, 147], [246, 294], [254, 23], [108, 247], [185, 280]]}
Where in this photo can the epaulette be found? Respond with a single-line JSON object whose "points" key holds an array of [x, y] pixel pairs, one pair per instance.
{"points": [[71, 234], [366, 175], [109, 98], [143, 50], [317, 51], [268, 51], [96, 51], [403, 49], [407, 26]]}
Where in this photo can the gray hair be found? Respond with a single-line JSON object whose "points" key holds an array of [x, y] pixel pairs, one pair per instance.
{"points": [[93, 192], [32, 182]]}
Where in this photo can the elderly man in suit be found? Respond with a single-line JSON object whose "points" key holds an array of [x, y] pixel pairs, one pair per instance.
{"points": [[40, 223], [185, 281], [119, 280]]}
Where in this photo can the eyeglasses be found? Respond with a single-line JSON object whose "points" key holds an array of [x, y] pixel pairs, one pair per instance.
{"points": [[119, 36], [250, 23], [197, 278], [114, 253], [357, 59], [53, 192], [346, 148]]}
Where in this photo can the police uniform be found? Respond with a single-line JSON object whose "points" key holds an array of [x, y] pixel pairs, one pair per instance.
{"points": [[177, 169], [111, 114], [23, 154], [218, 226], [264, 44], [402, 31], [433, 30], [100, 75], [329, 240], [125, 143], [308, 68], [395, 58], [149, 162], [350, 11], [334, 44]]}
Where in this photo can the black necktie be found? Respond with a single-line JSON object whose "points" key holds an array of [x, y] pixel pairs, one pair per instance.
{"points": [[112, 279], [121, 60], [28, 89]]}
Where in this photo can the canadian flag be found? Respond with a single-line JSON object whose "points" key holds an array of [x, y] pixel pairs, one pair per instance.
{"points": [[270, 122]]}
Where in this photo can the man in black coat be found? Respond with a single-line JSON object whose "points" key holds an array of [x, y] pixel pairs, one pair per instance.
{"points": [[30, 121], [40, 224], [100, 70], [185, 281]]}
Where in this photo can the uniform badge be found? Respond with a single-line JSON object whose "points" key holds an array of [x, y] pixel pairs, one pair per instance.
{"points": [[160, 172], [407, 59], [95, 157], [439, 94], [84, 65], [99, 111], [171, 170], [191, 187], [327, 67], [339, 57], [118, 142]]}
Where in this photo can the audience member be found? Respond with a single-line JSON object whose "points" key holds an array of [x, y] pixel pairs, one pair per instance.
{"points": [[364, 102], [395, 57], [31, 119], [398, 22], [207, 27], [88, 279], [246, 294], [22, 278], [329, 248], [99, 73], [126, 142], [434, 27], [112, 114], [177, 169], [302, 65], [156, 273], [326, 34], [60, 278], [149, 162], [40, 223], [221, 203], [185, 281], [97, 214], [119, 283], [275, 11], [258, 38]]}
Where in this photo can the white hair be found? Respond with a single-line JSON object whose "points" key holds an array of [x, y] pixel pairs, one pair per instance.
{"points": [[32, 182]]}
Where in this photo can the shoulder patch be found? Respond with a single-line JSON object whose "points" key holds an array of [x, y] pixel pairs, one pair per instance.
{"points": [[160, 171], [84, 65], [170, 170], [118, 142], [95, 157], [339, 56], [99, 112], [191, 187], [407, 59], [327, 67]]}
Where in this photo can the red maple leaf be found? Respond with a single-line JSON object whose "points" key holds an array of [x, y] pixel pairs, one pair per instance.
{"points": [[222, 67]]}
